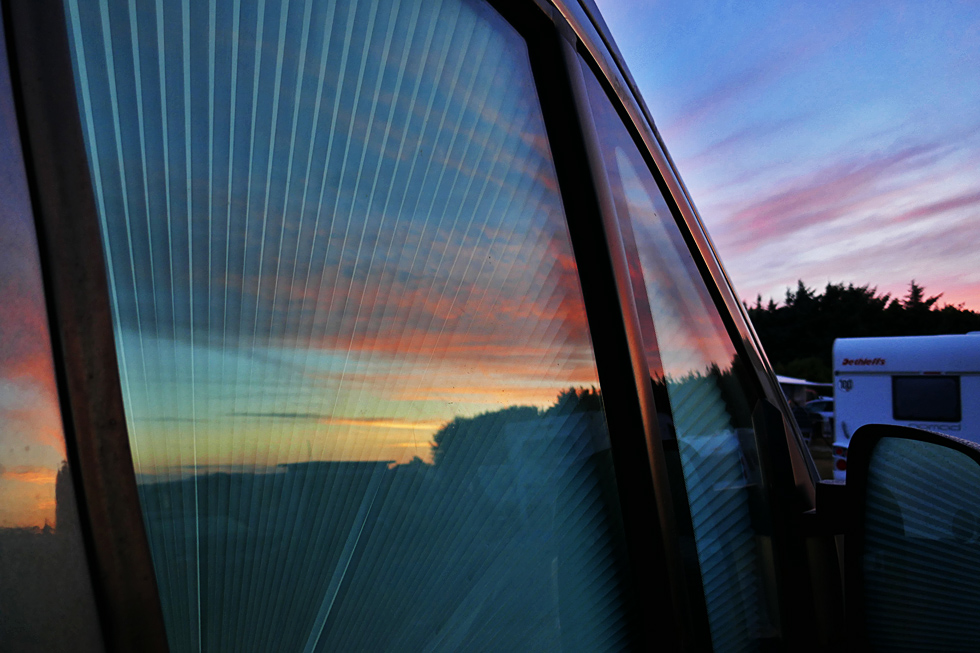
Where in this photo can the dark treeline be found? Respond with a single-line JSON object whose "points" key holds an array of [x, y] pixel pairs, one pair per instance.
{"points": [[798, 334], [458, 437]]}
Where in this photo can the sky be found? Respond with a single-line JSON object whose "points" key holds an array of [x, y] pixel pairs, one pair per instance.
{"points": [[828, 142], [32, 447]]}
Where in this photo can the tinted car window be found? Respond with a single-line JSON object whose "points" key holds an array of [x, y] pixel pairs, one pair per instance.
{"points": [[358, 376]]}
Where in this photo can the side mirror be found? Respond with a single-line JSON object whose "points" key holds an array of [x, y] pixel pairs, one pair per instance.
{"points": [[912, 566]]}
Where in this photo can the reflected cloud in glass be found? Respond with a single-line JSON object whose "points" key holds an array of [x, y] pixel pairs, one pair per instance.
{"points": [[359, 220]]}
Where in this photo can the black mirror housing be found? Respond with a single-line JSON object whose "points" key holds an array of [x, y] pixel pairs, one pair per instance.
{"points": [[912, 564]]}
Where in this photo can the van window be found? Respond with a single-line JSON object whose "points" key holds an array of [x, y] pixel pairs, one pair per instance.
{"points": [[926, 398], [358, 376]]}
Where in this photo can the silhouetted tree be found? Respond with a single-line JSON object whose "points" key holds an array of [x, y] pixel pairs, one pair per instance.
{"points": [[466, 438], [66, 516], [573, 400], [478, 436], [798, 335]]}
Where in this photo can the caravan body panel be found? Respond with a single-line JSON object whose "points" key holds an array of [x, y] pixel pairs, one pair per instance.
{"points": [[927, 382]]}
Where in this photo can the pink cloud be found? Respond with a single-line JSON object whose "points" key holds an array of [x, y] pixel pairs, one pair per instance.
{"points": [[721, 150], [744, 85], [938, 208], [882, 219], [833, 192]]}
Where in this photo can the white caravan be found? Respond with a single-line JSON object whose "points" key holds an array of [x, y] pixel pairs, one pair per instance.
{"points": [[929, 382]]}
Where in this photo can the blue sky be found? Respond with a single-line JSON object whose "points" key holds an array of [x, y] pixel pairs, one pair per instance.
{"points": [[821, 141]]}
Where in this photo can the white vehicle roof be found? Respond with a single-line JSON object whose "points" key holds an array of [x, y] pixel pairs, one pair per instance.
{"points": [[790, 380], [913, 354]]}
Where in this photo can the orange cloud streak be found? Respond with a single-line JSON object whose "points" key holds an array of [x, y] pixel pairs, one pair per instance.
{"points": [[30, 474], [384, 422]]}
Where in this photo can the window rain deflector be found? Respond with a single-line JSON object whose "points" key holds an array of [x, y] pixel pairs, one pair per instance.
{"points": [[702, 399]]}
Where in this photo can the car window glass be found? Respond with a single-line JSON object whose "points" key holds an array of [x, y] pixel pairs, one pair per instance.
{"points": [[702, 400], [46, 598], [358, 376]]}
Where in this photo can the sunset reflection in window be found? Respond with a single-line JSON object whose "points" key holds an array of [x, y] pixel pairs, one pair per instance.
{"points": [[358, 376]]}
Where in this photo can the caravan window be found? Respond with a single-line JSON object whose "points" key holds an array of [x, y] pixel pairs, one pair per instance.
{"points": [[926, 398]]}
